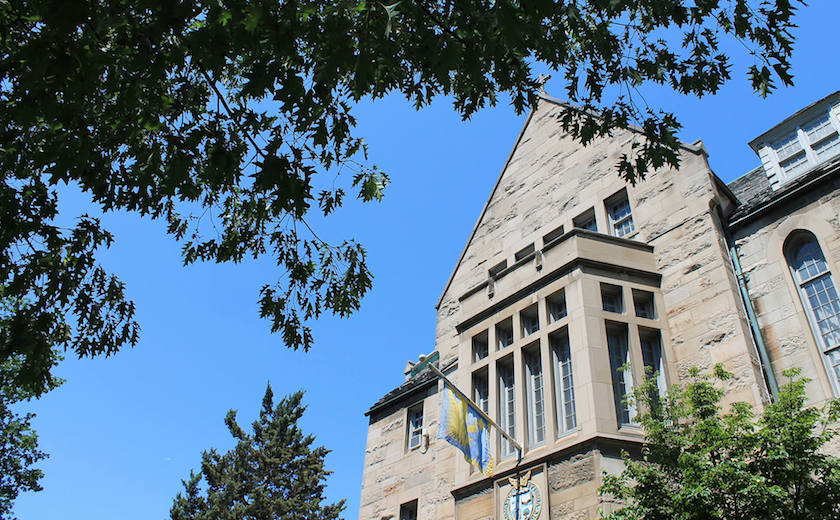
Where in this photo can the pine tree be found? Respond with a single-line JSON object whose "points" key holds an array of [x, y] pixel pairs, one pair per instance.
{"points": [[272, 473]]}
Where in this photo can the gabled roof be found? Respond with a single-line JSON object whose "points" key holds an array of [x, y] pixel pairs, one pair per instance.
{"points": [[554, 101]]}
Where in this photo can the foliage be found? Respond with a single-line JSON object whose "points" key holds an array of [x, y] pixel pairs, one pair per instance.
{"points": [[18, 441], [700, 462], [230, 120], [272, 473]]}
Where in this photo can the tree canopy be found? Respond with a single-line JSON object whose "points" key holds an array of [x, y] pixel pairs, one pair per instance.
{"points": [[700, 462], [270, 474], [231, 120]]}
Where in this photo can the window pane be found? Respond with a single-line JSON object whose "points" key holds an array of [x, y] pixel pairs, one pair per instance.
{"points": [[564, 389], [536, 402], [481, 392], [507, 403], [795, 165], [556, 304], [621, 219], [828, 147], [819, 296], [787, 146], [415, 426], [818, 129], [652, 357], [622, 379]]}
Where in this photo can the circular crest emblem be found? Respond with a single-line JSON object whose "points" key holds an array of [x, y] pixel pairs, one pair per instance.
{"points": [[523, 501]]}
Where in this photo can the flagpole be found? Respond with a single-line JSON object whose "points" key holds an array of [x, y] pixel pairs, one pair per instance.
{"points": [[477, 408]]}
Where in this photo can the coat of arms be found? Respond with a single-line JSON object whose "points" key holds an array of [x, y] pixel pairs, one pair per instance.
{"points": [[523, 501]]}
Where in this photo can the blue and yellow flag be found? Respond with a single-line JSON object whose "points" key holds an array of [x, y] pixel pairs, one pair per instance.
{"points": [[463, 427]]}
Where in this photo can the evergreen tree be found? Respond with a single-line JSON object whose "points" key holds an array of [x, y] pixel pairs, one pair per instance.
{"points": [[699, 462], [272, 473]]}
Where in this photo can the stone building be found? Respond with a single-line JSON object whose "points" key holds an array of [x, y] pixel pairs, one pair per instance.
{"points": [[570, 274]]}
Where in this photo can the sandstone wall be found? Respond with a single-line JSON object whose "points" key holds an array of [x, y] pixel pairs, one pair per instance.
{"points": [[775, 296]]}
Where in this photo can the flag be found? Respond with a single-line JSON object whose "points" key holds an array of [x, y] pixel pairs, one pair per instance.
{"points": [[463, 427]]}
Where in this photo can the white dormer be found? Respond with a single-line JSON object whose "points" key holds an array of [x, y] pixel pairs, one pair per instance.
{"points": [[801, 142]]}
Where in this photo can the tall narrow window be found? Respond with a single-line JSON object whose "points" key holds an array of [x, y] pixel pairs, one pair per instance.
{"points": [[481, 391], [536, 401], [415, 426], [651, 341], [507, 406], [556, 306], [504, 333], [530, 320], [621, 218], [622, 378], [564, 386], [408, 511], [480, 346], [819, 296]]}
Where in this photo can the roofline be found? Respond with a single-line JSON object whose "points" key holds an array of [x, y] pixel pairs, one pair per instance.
{"points": [[633, 128], [753, 143], [830, 169], [486, 205], [689, 147], [402, 395]]}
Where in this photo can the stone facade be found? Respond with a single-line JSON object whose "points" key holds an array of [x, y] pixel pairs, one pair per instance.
{"points": [[570, 274]]}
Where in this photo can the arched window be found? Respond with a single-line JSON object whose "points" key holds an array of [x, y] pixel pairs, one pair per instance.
{"points": [[819, 296]]}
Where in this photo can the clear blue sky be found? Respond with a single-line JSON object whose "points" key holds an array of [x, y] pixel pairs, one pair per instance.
{"points": [[123, 431]]}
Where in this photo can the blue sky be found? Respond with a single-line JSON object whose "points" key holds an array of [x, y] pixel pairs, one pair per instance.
{"points": [[123, 431]]}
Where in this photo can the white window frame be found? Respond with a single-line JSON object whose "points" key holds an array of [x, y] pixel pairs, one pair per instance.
{"points": [[806, 147], [415, 426], [612, 204], [535, 396], [826, 351]]}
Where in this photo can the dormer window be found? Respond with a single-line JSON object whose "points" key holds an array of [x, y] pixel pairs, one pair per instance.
{"points": [[804, 146]]}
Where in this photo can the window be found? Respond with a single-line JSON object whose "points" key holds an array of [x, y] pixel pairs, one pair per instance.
{"points": [[553, 235], [819, 296], [621, 219], [507, 405], [524, 252], [415, 426], [481, 391], [408, 511], [586, 220], [822, 137], [530, 320], [643, 303], [504, 333], [534, 397], [556, 306], [480, 346], [622, 378], [564, 389], [494, 271], [814, 142], [792, 158], [611, 298], [651, 340]]}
